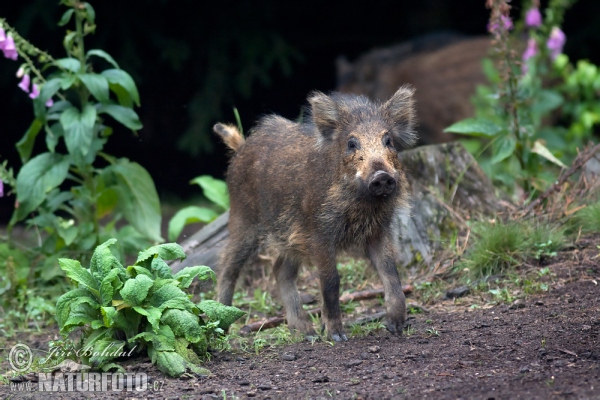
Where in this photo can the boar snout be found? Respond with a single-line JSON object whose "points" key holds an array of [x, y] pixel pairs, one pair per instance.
{"points": [[382, 184]]}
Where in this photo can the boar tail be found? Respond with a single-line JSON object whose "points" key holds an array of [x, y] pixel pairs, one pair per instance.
{"points": [[231, 136]]}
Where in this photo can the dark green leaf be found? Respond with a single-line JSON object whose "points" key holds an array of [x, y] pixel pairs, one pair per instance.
{"points": [[103, 260], [40, 175], [153, 314], [82, 276], [70, 64], [160, 268], [124, 80], [187, 275], [78, 129], [226, 315], [97, 85], [25, 145], [166, 251], [214, 189], [138, 198], [183, 323], [124, 115], [102, 54], [503, 148], [91, 13], [110, 283], [64, 302], [475, 127], [189, 215], [135, 290], [49, 89], [66, 17]]}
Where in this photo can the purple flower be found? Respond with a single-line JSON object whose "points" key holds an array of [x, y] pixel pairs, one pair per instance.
{"points": [[533, 18], [35, 91], [1, 188], [24, 84], [9, 49], [531, 49], [2, 38], [556, 41], [50, 102], [507, 24]]}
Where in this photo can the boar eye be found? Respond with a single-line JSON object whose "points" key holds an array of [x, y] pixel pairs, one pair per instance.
{"points": [[353, 144], [387, 142]]}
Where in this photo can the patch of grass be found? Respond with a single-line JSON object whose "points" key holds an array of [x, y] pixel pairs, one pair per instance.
{"points": [[427, 292], [501, 246], [361, 330], [589, 218]]}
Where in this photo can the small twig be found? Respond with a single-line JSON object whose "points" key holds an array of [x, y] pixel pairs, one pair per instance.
{"points": [[347, 298]]}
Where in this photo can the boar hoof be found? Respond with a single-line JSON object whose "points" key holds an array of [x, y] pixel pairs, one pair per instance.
{"points": [[339, 337], [395, 326]]}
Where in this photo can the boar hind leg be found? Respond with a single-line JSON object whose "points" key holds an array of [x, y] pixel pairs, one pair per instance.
{"points": [[382, 256], [329, 280], [286, 271], [237, 253]]}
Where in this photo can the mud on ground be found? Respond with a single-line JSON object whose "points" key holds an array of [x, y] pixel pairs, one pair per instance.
{"points": [[545, 346]]}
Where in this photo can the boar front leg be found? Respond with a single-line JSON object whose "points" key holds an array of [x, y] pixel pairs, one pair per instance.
{"points": [[286, 270], [329, 280], [382, 256]]}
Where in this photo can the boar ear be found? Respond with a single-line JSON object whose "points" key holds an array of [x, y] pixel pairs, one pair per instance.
{"points": [[324, 113], [400, 110]]}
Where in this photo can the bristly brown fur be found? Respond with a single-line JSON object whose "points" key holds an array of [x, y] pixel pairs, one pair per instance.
{"points": [[312, 190], [230, 135]]}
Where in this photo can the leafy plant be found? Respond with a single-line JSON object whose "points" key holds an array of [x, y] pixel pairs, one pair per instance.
{"points": [[538, 108], [214, 190], [74, 192], [142, 308]]}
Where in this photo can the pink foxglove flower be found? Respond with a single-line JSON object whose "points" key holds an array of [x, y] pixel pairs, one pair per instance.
{"points": [[1, 188], [507, 24], [556, 41], [533, 18], [2, 39], [529, 52], [9, 49], [50, 102], [24, 84], [35, 91]]}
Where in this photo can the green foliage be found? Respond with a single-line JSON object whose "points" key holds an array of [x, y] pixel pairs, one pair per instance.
{"points": [[141, 309], [501, 246], [537, 110], [589, 218], [73, 193], [214, 190]]}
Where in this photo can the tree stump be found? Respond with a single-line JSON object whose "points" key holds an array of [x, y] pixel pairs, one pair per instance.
{"points": [[444, 177]]}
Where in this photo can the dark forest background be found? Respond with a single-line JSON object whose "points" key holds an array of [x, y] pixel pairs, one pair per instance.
{"points": [[193, 61]]}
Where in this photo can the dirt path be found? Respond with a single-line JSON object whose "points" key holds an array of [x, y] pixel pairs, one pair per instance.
{"points": [[546, 346]]}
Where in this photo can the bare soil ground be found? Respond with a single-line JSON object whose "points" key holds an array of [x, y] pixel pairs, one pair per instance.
{"points": [[542, 347]]}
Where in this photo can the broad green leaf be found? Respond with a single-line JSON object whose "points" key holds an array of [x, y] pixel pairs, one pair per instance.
{"points": [[166, 251], [103, 260], [53, 133], [108, 316], [170, 363], [25, 145], [214, 189], [503, 148], [102, 54], [76, 272], [78, 129], [90, 13], [189, 215], [105, 350], [226, 315], [135, 270], [67, 81], [169, 293], [122, 79], [124, 115], [153, 314], [38, 177], [110, 283], [160, 268], [70, 64], [187, 275], [163, 340], [543, 151], [80, 315], [66, 17], [63, 304], [107, 202], [183, 323], [97, 85], [138, 198], [546, 101], [135, 290], [67, 230], [49, 89], [474, 127]]}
